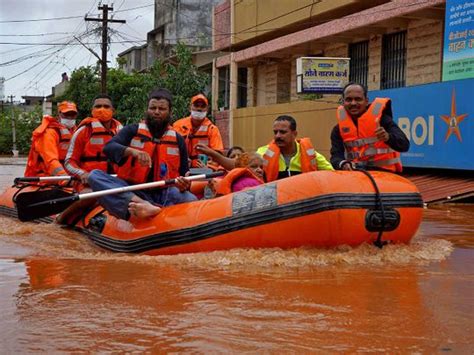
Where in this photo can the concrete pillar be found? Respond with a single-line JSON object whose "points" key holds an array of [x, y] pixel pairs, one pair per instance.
{"points": [[251, 92], [214, 86], [232, 96]]}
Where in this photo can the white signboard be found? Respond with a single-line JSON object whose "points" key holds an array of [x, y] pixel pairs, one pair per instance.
{"points": [[321, 75]]}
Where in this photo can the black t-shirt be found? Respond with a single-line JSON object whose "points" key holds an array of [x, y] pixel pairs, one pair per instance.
{"points": [[115, 148]]}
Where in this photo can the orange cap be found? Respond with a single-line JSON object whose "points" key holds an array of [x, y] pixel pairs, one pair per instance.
{"points": [[199, 97], [67, 106]]}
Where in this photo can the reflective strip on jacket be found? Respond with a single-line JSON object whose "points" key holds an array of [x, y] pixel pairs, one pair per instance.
{"points": [[307, 160], [360, 142], [207, 134], [93, 157], [49, 145], [164, 153]]}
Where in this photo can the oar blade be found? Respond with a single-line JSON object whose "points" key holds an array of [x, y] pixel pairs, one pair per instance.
{"points": [[42, 203]]}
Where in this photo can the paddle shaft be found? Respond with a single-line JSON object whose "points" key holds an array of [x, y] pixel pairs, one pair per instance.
{"points": [[38, 204], [46, 178], [43, 178], [148, 185]]}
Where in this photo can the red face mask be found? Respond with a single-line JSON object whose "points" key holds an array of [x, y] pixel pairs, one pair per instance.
{"points": [[102, 114]]}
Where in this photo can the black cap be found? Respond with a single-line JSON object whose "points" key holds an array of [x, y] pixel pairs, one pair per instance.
{"points": [[159, 94]]}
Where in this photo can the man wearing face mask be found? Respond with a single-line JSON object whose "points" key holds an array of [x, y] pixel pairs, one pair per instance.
{"points": [[50, 142], [148, 151], [198, 129], [85, 151]]}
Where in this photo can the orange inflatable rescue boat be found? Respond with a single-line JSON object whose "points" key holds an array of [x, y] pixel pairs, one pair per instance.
{"points": [[319, 209]]}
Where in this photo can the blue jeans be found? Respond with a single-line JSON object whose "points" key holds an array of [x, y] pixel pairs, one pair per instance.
{"points": [[117, 204]]}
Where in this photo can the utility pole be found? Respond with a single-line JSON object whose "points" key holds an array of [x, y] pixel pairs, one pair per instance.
{"points": [[14, 150], [105, 20]]}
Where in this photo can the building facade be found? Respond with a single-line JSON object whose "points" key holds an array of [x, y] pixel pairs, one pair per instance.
{"points": [[395, 48], [185, 21]]}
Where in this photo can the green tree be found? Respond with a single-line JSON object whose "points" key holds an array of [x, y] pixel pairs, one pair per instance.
{"points": [[25, 123], [129, 92]]}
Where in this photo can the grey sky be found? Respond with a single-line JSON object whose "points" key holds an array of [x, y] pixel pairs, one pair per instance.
{"points": [[44, 70]]}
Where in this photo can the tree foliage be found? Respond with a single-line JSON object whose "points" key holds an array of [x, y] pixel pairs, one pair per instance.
{"points": [[129, 92], [25, 123]]}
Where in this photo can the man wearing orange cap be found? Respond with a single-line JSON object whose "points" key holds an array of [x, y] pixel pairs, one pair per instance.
{"points": [[198, 129], [85, 151], [50, 142]]}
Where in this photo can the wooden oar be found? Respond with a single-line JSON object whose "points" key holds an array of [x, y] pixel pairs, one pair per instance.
{"points": [[29, 208]]}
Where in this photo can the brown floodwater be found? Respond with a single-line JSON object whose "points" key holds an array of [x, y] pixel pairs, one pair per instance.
{"points": [[60, 293]]}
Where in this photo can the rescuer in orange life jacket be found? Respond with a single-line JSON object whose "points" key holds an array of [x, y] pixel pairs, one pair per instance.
{"points": [[286, 155], [366, 136], [148, 151], [85, 151], [50, 142], [198, 129]]}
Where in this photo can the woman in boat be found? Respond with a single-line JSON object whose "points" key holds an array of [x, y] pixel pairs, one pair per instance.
{"points": [[248, 173], [234, 152]]}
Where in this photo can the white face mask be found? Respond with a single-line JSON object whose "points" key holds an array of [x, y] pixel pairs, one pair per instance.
{"points": [[198, 115], [68, 122]]}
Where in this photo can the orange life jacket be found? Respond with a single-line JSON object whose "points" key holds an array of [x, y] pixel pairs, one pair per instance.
{"points": [[201, 136], [361, 144], [164, 153], [272, 159], [224, 186], [93, 156], [35, 165]]}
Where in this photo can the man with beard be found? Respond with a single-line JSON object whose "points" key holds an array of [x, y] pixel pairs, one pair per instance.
{"points": [[198, 129], [286, 155], [366, 136], [148, 151]]}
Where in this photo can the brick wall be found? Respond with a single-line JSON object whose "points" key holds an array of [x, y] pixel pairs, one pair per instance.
{"points": [[222, 27], [283, 82], [338, 50], [293, 88], [424, 52], [251, 91], [260, 84], [222, 122], [375, 58], [271, 89]]}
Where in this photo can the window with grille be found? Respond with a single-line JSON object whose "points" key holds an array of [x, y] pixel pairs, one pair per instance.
{"points": [[359, 63], [394, 60]]}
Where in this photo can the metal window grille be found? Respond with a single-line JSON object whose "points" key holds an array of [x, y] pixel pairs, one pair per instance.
{"points": [[394, 60], [359, 63]]}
